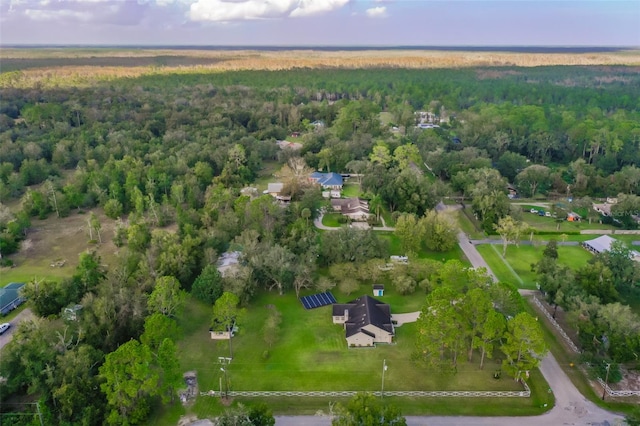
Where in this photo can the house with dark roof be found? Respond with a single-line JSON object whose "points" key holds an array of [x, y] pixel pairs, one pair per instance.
{"points": [[354, 208], [327, 180], [366, 321], [10, 297]]}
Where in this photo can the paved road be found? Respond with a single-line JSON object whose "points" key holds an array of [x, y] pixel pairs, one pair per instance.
{"points": [[571, 407], [8, 335], [523, 242], [471, 253]]}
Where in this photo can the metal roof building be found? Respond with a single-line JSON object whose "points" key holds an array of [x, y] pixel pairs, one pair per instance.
{"points": [[10, 297]]}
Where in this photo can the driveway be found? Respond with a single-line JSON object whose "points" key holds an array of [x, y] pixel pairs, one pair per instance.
{"points": [[469, 250], [8, 335], [405, 318]]}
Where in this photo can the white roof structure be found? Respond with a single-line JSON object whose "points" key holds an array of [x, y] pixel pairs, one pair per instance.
{"points": [[600, 244], [603, 243]]}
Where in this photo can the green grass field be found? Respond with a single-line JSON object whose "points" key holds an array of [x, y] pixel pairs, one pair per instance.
{"points": [[351, 190], [332, 220], [519, 260], [311, 354], [549, 224]]}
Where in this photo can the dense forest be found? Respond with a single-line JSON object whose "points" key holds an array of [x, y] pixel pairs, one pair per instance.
{"points": [[167, 157]]}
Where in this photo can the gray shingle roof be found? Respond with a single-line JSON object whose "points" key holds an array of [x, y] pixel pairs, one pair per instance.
{"points": [[363, 311]]}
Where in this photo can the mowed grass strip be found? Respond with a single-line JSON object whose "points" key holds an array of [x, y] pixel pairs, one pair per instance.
{"points": [[521, 258]]}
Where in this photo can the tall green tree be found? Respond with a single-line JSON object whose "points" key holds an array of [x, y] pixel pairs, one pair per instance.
{"points": [[167, 298], [208, 286], [129, 383], [437, 231], [226, 315], [489, 333], [408, 233], [511, 231], [523, 345], [365, 410]]}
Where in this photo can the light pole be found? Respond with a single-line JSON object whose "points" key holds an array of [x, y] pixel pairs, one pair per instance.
{"points": [[606, 379], [384, 368]]}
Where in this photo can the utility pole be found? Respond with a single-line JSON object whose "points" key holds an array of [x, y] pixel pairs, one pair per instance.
{"points": [[224, 362], [384, 368], [606, 379]]}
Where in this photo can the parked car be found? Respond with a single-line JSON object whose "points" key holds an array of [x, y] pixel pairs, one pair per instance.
{"points": [[533, 211], [541, 213], [547, 214], [4, 327]]}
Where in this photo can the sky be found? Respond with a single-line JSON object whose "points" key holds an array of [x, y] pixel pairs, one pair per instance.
{"points": [[322, 22]]}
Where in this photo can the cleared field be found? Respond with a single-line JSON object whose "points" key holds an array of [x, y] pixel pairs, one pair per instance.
{"points": [[78, 67], [53, 245]]}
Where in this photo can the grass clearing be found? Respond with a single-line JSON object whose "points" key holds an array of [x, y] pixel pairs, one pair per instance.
{"points": [[311, 354], [266, 175], [350, 190], [549, 224], [56, 240], [521, 258]]}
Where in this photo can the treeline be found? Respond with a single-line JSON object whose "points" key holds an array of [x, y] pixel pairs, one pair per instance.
{"points": [[169, 158]]}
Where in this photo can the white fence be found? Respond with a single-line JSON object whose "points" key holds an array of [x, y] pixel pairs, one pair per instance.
{"points": [[564, 335], [526, 393], [612, 393], [617, 393]]}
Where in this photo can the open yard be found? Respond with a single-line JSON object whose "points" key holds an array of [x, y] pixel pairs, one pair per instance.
{"points": [[515, 267], [549, 224], [53, 245], [311, 354], [351, 189], [332, 220]]}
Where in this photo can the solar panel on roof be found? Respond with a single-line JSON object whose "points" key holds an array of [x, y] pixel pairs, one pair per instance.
{"points": [[317, 300]]}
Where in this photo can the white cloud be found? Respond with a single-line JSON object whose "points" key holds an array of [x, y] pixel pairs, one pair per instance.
{"points": [[313, 7], [54, 15], [377, 12], [236, 10]]}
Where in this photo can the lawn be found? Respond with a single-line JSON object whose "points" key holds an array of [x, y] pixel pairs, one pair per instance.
{"points": [[311, 354], [549, 224], [468, 224], [332, 220], [350, 190], [395, 248], [520, 259]]}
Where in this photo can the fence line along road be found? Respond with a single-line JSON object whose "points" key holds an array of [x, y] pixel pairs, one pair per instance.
{"points": [[564, 335], [526, 393], [617, 393]]}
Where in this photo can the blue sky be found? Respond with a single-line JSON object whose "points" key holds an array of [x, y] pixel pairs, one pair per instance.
{"points": [[322, 22]]}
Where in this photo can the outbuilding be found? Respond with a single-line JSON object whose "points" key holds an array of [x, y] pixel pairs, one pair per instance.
{"points": [[10, 297]]}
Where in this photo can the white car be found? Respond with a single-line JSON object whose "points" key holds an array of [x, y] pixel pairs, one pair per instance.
{"points": [[4, 327]]}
